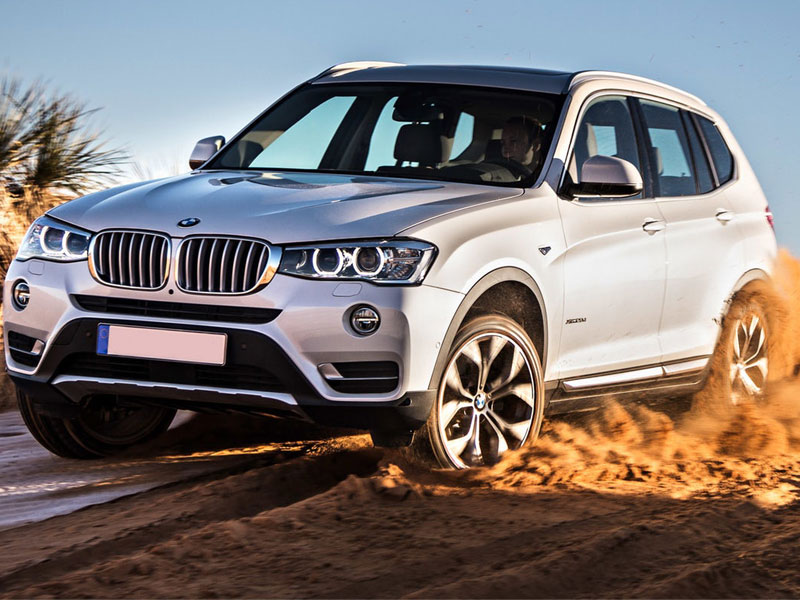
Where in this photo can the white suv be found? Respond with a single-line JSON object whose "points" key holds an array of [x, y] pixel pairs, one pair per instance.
{"points": [[433, 253]]}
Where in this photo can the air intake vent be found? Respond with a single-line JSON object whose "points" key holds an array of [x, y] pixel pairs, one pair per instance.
{"points": [[370, 377], [216, 265], [130, 259], [176, 310]]}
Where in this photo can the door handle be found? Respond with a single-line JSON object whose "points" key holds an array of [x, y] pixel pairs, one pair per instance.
{"points": [[652, 226], [724, 216]]}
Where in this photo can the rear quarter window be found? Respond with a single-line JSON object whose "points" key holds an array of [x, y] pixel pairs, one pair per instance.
{"points": [[720, 155]]}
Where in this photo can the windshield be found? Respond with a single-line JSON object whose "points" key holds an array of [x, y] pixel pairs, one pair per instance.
{"points": [[425, 131]]}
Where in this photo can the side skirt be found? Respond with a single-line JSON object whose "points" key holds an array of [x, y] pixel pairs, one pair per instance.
{"points": [[641, 383]]}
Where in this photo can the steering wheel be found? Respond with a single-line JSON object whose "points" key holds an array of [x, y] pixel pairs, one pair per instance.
{"points": [[518, 170]]}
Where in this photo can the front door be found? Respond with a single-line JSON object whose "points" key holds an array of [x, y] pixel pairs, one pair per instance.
{"points": [[615, 261]]}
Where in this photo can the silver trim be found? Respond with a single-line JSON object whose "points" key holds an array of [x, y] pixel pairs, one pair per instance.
{"points": [[614, 378], [613, 91], [267, 266], [331, 373], [77, 387], [635, 375], [586, 76], [104, 239], [698, 364], [38, 346]]}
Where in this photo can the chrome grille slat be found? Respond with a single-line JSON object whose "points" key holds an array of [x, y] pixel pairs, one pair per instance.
{"points": [[221, 265], [103, 259], [234, 267], [246, 277], [164, 259], [121, 260], [112, 278], [131, 259], [141, 259], [222, 268], [211, 277], [131, 280], [186, 270], [153, 275]]}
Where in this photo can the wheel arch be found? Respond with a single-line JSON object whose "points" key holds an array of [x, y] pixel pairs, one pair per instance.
{"points": [[750, 277], [509, 291]]}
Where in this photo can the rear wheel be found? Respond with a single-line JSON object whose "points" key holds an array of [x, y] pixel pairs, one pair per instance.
{"points": [[490, 398], [741, 361], [103, 427]]}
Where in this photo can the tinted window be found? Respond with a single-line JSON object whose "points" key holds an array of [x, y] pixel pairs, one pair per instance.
{"points": [[669, 150], [703, 172], [605, 130], [723, 161]]}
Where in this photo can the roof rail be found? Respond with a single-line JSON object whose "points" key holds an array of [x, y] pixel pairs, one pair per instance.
{"points": [[349, 67], [588, 75]]}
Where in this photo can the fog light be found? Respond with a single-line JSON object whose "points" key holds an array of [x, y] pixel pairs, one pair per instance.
{"points": [[365, 320], [21, 294]]}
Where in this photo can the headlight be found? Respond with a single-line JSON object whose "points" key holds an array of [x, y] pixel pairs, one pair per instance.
{"points": [[47, 238], [387, 261]]}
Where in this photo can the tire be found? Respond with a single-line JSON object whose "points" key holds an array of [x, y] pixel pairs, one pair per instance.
{"points": [[101, 429], [490, 397], [740, 364]]}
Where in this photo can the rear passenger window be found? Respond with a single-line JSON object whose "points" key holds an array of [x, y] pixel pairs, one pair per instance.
{"points": [[702, 171], [669, 150], [720, 155], [605, 130]]}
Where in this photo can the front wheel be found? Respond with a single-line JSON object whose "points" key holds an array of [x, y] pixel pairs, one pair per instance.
{"points": [[490, 398], [103, 427]]}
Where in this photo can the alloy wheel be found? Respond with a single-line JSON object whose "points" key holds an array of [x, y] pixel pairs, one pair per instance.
{"points": [[749, 363], [486, 405]]}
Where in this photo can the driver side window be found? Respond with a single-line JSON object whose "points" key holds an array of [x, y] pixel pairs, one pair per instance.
{"points": [[606, 129]]}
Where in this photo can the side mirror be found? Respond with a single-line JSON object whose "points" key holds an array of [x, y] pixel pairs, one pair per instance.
{"points": [[607, 177], [205, 149]]}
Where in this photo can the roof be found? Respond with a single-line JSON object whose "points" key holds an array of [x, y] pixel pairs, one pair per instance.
{"points": [[537, 80], [518, 78]]}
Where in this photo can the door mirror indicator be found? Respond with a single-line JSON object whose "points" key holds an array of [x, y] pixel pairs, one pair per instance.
{"points": [[205, 149], [606, 177]]}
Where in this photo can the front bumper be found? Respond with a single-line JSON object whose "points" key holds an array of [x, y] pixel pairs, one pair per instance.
{"points": [[310, 329]]}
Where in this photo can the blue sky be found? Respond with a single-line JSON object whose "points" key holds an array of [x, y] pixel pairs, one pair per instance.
{"points": [[169, 72]]}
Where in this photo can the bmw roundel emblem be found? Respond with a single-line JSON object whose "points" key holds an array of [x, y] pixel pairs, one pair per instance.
{"points": [[190, 222]]}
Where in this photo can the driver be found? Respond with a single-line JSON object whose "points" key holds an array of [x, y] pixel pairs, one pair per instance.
{"points": [[521, 141]]}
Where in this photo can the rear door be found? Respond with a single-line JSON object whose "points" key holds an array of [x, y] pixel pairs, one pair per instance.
{"points": [[704, 249], [615, 262]]}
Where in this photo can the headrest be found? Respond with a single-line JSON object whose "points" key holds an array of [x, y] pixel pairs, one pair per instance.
{"points": [[494, 150], [658, 160], [421, 144]]}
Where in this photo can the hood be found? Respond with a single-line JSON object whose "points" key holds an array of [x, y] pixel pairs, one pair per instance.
{"points": [[280, 207]]}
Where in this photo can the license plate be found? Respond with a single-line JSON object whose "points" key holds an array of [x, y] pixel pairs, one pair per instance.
{"points": [[162, 344]]}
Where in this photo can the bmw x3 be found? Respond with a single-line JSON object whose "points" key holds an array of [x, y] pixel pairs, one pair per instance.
{"points": [[440, 255]]}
